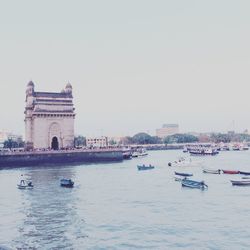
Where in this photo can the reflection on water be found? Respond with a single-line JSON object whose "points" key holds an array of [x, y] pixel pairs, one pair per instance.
{"points": [[114, 206]]}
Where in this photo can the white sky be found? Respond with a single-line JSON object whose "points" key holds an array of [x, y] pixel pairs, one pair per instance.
{"points": [[133, 64]]}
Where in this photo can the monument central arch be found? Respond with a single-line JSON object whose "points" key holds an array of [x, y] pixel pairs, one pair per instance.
{"points": [[55, 141]]}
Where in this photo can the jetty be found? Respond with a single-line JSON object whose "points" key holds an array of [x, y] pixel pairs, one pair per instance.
{"points": [[59, 157]]}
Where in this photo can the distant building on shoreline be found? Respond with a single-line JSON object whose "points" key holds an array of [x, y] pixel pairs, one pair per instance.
{"points": [[167, 129], [100, 142], [49, 119]]}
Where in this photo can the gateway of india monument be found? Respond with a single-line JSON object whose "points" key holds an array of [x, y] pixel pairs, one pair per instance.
{"points": [[49, 119]]}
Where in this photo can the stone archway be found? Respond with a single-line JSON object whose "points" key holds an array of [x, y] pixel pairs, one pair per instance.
{"points": [[55, 143]]}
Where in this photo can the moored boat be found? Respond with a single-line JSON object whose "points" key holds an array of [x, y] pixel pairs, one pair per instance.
{"points": [[25, 184], [240, 183], [230, 171], [211, 171], [183, 174], [66, 183], [193, 184], [245, 173], [144, 167], [139, 152]]}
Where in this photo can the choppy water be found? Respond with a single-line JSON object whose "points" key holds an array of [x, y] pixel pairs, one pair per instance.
{"points": [[114, 206]]}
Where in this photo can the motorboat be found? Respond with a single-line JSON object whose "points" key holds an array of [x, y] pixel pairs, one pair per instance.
{"points": [[66, 183], [230, 171], [144, 167], [183, 174], [139, 153], [211, 171], [24, 184], [193, 184], [241, 183]]}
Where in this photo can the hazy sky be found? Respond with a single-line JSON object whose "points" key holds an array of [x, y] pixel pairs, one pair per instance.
{"points": [[133, 64]]}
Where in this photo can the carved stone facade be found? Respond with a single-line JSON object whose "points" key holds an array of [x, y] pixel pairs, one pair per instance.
{"points": [[49, 119]]}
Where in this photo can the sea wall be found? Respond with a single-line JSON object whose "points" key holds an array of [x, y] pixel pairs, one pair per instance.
{"points": [[18, 159]]}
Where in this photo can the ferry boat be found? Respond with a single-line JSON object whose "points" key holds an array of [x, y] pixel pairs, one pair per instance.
{"points": [[203, 151]]}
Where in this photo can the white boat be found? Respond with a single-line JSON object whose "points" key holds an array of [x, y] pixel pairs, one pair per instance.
{"points": [[139, 153], [211, 171], [25, 184]]}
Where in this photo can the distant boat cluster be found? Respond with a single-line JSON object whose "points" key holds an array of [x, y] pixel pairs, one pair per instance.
{"points": [[183, 177], [208, 149]]}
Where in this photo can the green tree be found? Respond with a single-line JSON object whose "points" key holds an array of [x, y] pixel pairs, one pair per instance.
{"points": [[10, 143], [143, 138], [180, 138], [79, 141]]}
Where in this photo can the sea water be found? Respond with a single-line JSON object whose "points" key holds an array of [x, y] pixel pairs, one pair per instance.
{"points": [[115, 206]]}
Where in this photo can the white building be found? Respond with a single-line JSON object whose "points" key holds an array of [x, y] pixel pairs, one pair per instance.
{"points": [[49, 118], [100, 142]]}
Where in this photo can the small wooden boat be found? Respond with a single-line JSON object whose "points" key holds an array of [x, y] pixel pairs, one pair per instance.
{"points": [[245, 173], [230, 171], [241, 183], [25, 184], [66, 183], [144, 167], [211, 171], [193, 184], [183, 174]]}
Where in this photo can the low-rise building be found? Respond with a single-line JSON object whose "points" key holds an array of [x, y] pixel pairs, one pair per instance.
{"points": [[100, 142]]}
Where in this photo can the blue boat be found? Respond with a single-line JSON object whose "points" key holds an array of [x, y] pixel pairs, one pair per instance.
{"points": [[144, 167], [66, 183], [193, 184], [183, 174]]}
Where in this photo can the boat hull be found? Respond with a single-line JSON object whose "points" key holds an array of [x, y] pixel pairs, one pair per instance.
{"points": [[245, 173], [240, 183], [230, 172], [211, 171], [183, 174], [24, 187]]}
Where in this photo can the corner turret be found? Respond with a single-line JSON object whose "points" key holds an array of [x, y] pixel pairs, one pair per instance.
{"points": [[68, 89]]}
